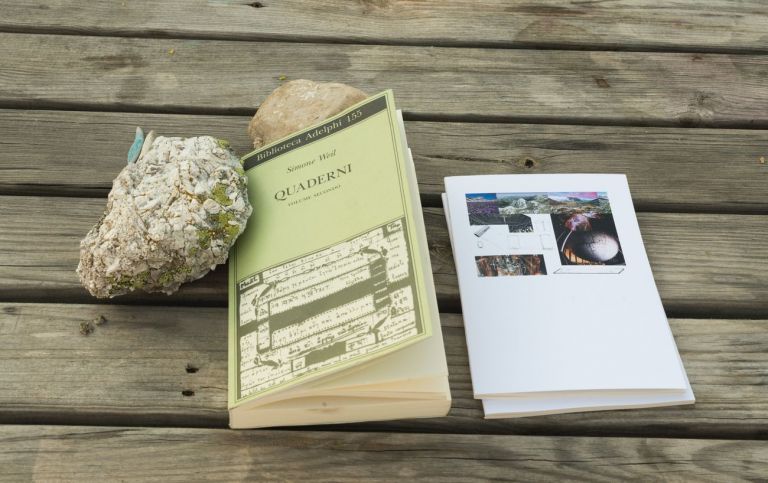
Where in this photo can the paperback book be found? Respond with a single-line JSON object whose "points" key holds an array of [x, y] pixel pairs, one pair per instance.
{"points": [[332, 310], [560, 307]]}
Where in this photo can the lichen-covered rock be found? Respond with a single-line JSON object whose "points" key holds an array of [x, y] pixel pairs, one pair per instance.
{"points": [[171, 217], [298, 104]]}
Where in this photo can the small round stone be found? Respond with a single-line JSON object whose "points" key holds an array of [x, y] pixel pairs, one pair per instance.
{"points": [[298, 104]]}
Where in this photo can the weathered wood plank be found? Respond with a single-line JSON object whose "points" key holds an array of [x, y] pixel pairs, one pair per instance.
{"points": [[716, 25], [700, 260], [82, 453], [79, 153], [133, 369], [164, 75]]}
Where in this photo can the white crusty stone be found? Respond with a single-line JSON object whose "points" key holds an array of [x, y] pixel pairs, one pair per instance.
{"points": [[170, 218], [298, 104]]}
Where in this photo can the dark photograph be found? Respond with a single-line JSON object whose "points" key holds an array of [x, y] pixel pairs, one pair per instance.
{"points": [[587, 238]]}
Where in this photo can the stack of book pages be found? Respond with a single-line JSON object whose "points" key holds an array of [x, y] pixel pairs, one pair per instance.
{"points": [[560, 307], [332, 310]]}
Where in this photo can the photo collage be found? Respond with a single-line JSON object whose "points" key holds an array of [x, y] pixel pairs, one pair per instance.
{"points": [[540, 233]]}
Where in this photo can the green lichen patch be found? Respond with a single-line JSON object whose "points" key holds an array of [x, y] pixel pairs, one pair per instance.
{"points": [[141, 279], [166, 278], [204, 236], [219, 194], [221, 219], [220, 227], [127, 282], [119, 284], [176, 272], [230, 232], [223, 226], [224, 144]]}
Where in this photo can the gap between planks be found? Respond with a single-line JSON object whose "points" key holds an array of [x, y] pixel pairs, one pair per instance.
{"points": [[697, 259], [643, 25], [443, 43], [66, 153], [595, 121], [137, 367], [128, 74]]}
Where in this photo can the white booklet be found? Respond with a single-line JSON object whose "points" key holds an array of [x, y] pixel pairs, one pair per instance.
{"points": [[561, 311]]}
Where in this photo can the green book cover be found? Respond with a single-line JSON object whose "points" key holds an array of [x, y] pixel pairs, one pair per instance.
{"points": [[327, 274]]}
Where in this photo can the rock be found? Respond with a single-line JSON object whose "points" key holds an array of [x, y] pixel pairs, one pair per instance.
{"points": [[171, 217], [298, 104]]}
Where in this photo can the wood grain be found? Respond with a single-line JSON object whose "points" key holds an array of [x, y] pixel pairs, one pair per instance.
{"points": [[631, 63], [704, 264], [134, 369], [431, 83], [690, 25], [80, 453], [669, 169]]}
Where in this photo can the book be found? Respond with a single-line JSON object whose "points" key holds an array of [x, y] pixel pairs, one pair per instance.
{"points": [[333, 316], [561, 311]]}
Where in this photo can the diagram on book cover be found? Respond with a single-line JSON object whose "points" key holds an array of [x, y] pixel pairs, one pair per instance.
{"points": [[343, 302], [541, 233]]}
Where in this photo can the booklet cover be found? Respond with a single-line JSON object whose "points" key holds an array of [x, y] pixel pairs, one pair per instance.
{"points": [[332, 274], [561, 310]]}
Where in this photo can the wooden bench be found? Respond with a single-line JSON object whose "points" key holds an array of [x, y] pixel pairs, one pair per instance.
{"points": [[675, 96]]}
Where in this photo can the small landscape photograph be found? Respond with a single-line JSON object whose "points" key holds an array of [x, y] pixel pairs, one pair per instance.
{"points": [[498, 206], [510, 265]]}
